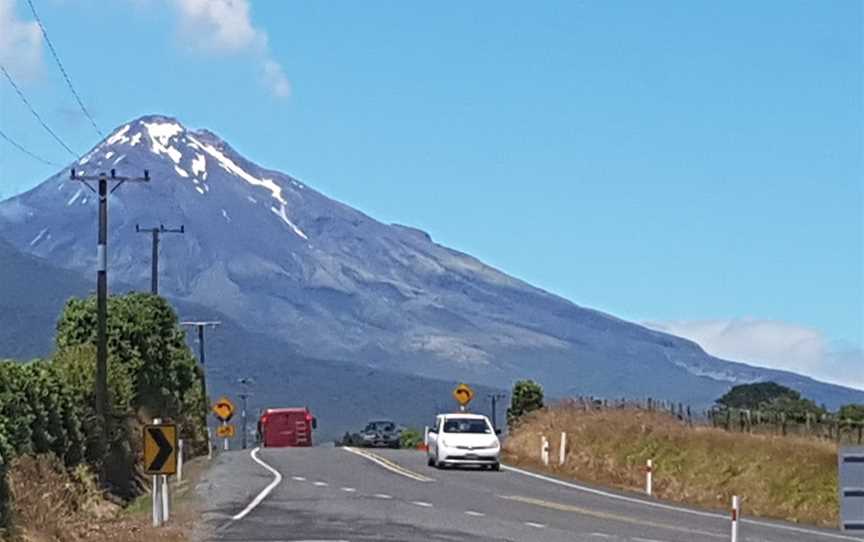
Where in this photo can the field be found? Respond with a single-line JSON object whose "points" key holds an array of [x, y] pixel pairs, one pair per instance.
{"points": [[789, 478]]}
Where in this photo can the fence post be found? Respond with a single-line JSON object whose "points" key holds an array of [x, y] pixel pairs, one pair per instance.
{"points": [[562, 449], [649, 477], [736, 511]]}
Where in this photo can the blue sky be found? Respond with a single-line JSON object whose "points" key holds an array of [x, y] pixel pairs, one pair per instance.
{"points": [[697, 165]]}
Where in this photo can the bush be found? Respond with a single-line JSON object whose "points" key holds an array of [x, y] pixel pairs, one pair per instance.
{"points": [[410, 438]]}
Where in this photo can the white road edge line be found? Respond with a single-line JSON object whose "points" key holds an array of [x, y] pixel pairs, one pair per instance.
{"points": [[675, 508], [277, 479], [401, 471], [423, 504], [475, 514], [382, 496]]}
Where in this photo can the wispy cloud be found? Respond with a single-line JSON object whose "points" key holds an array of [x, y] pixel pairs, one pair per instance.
{"points": [[20, 43], [775, 344], [225, 26]]}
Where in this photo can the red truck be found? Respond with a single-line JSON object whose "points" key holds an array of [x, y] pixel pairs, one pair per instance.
{"points": [[281, 427]]}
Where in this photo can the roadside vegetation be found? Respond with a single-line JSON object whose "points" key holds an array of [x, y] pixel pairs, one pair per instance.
{"points": [[785, 477], [48, 424]]}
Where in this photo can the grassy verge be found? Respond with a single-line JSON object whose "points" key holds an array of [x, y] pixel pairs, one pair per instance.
{"points": [[68, 507], [787, 478]]}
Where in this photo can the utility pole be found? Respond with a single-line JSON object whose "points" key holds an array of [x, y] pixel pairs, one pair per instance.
{"points": [[245, 381], [494, 397], [101, 384], [200, 325], [156, 232]]}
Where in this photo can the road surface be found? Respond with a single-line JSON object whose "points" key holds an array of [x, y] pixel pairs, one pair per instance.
{"points": [[333, 494]]}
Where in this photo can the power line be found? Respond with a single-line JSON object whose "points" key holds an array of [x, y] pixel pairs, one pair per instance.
{"points": [[35, 114], [25, 151], [62, 69]]}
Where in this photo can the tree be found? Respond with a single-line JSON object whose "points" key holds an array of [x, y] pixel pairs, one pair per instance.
{"points": [[527, 396], [854, 412], [756, 396], [145, 338]]}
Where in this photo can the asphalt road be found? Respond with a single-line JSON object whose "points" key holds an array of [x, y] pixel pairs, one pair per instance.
{"points": [[331, 494]]}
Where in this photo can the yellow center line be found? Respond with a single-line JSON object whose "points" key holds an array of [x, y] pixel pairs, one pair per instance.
{"points": [[607, 515], [387, 464]]}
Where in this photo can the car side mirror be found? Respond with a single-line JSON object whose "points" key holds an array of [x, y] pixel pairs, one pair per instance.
{"points": [[497, 431], [314, 423]]}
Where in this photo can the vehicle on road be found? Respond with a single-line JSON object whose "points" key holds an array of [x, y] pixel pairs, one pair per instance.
{"points": [[283, 427], [463, 439], [381, 433]]}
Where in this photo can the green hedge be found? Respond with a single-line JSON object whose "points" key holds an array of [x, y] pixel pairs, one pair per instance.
{"points": [[47, 406]]}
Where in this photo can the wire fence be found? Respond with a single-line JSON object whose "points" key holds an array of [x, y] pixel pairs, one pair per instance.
{"points": [[827, 426]]}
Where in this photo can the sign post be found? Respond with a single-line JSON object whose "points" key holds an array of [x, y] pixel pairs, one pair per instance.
{"points": [[463, 395], [224, 409], [160, 460]]}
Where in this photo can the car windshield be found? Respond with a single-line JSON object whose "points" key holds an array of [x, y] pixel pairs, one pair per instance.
{"points": [[466, 425], [380, 426]]}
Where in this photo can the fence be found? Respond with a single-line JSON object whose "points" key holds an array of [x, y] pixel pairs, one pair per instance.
{"points": [[824, 426]]}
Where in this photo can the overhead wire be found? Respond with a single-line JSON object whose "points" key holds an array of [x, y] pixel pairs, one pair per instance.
{"points": [[63, 70], [35, 114], [27, 152]]}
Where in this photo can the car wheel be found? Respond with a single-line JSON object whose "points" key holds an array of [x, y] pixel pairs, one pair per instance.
{"points": [[495, 466], [430, 461]]}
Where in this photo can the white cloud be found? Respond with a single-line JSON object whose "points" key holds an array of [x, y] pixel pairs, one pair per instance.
{"points": [[276, 79], [226, 26], [20, 43], [775, 344]]}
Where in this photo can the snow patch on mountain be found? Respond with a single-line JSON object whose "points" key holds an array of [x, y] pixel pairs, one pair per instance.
{"points": [[228, 165], [283, 214], [199, 165], [39, 237], [74, 198], [119, 136]]}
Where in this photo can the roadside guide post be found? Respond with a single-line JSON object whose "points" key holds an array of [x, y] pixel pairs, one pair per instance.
{"points": [[463, 395], [160, 460], [649, 477], [180, 460], [562, 449], [544, 450], [736, 512]]}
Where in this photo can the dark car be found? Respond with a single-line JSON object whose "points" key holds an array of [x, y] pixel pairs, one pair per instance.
{"points": [[381, 433]]}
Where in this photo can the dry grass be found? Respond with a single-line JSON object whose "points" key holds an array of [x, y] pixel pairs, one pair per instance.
{"points": [[50, 504], [787, 478]]}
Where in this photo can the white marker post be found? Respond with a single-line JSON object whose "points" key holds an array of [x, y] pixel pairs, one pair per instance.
{"points": [[157, 492], [649, 477], [225, 440], [164, 494], [562, 449], [179, 460], [544, 450], [736, 513], [209, 444], [426, 435]]}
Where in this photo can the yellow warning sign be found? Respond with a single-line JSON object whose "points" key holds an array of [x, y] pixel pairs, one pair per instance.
{"points": [[463, 394], [160, 449]]}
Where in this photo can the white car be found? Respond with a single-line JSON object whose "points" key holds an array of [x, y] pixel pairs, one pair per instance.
{"points": [[463, 439]]}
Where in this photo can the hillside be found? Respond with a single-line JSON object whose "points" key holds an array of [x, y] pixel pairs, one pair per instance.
{"points": [[291, 264]]}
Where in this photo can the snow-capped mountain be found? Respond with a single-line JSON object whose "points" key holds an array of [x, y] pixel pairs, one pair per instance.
{"points": [[286, 261]]}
